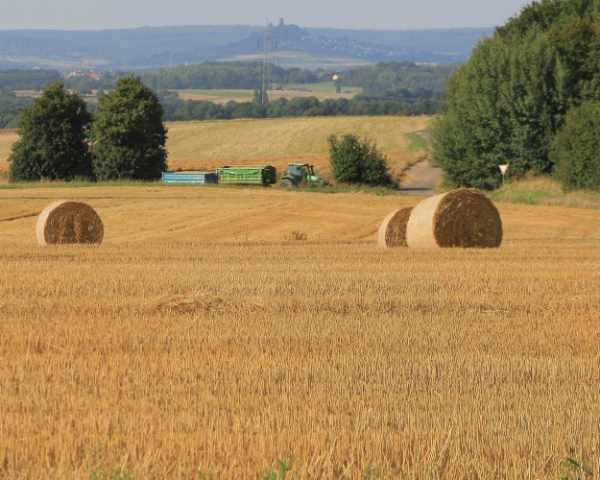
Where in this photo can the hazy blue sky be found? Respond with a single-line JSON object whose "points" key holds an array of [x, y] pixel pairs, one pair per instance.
{"points": [[375, 14]]}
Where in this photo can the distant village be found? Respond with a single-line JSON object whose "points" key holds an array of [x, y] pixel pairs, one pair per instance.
{"points": [[89, 74]]}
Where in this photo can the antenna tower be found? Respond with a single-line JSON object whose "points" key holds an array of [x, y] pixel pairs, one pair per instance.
{"points": [[266, 80]]}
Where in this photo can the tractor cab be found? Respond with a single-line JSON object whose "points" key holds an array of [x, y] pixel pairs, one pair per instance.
{"points": [[297, 173], [300, 171]]}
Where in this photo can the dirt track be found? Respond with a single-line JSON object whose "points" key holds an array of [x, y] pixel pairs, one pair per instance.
{"points": [[421, 180]]}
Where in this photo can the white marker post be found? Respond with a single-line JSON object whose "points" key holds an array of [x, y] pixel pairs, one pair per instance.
{"points": [[503, 169]]}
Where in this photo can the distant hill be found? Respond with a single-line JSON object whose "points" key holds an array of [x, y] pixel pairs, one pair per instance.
{"points": [[127, 49], [150, 48], [371, 46]]}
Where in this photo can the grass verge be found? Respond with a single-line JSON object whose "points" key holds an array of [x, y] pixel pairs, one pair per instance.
{"points": [[417, 142], [544, 191]]}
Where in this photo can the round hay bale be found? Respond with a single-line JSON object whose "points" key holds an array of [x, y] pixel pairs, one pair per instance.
{"points": [[69, 222], [392, 231], [463, 218]]}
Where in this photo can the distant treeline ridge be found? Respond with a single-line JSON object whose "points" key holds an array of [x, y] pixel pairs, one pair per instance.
{"points": [[179, 110], [390, 88]]}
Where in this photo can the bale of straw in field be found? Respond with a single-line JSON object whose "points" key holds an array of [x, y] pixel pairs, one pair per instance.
{"points": [[392, 231], [69, 222], [461, 218]]}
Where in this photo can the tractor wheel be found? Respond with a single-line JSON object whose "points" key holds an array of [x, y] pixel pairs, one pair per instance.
{"points": [[286, 183]]}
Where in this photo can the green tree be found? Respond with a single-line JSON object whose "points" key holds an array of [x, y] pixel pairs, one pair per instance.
{"points": [[573, 28], [128, 135], [358, 161], [503, 106], [540, 15], [576, 148], [509, 101], [53, 143]]}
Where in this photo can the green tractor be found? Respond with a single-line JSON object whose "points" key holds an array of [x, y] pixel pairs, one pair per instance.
{"points": [[298, 173]]}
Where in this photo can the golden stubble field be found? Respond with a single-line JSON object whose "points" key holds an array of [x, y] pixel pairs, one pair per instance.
{"points": [[199, 339], [248, 95], [208, 145], [211, 144]]}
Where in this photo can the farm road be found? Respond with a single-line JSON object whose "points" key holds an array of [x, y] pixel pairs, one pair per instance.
{"points": [[421, 179]]}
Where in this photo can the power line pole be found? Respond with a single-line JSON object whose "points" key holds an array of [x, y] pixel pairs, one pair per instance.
{"points": [[266, 80]]}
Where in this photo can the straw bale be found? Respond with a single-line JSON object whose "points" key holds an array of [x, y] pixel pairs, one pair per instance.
{"points": [[69, 222], [463, 218], [392, 231]]}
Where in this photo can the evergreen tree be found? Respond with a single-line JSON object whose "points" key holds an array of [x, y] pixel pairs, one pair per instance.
{"points": [[128, 134], [53, 142]]}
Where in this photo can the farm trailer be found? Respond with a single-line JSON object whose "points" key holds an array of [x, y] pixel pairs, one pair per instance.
{"points": [[192, 178], [247, 175]]}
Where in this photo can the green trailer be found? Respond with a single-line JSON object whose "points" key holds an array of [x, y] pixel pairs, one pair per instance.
{"points": [[247, 175]]}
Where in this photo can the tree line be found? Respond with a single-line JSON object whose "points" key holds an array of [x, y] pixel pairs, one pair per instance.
{"points": [[214, 75], [16, 79], [10, 108], [60, 140], [422, 81], [530, 97], [179, 110], [390, 88]]}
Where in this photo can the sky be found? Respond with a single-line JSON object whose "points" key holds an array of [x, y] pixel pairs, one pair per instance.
{"points": [[352, 14]]}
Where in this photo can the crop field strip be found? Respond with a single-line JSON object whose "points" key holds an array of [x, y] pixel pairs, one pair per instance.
{"points": [[289, 136], [211, 144], [224, 96], [188, 344], [7, 138]]}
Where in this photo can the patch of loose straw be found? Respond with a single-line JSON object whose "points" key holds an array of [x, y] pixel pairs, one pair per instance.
{"points": [[463, 218], [392, 231], [69, 222], [203, 302]]}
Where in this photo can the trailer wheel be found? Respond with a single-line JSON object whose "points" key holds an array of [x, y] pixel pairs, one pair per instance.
{"points": [[286, 183]]}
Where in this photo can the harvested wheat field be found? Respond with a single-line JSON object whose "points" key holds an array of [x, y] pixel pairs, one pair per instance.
{"points": [[211, 144], [225, 96], [7, 138], [200, 339], [208, 145]]}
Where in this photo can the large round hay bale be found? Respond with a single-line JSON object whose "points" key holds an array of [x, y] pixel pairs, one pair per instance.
{"points": [[463, 218], [392, 231], [69, 222]]}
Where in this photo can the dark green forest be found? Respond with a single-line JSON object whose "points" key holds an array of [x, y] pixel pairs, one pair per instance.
{"points": [[426, 80], [536, 78], [179, 110], [212, 75], [389, 78], [10, 108], [27, 79], [390, 88], [386, 80]]}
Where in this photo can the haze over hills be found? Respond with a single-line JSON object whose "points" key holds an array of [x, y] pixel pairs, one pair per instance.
{"points": [[156, 47]]}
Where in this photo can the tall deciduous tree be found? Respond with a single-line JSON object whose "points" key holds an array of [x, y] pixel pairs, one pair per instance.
{"points": [[576, 148], [504, 106], [53, 143], [128, 135], [508, 102]]}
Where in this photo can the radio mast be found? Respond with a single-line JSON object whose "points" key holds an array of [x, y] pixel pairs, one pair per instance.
{"points": [[266, 80]]}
